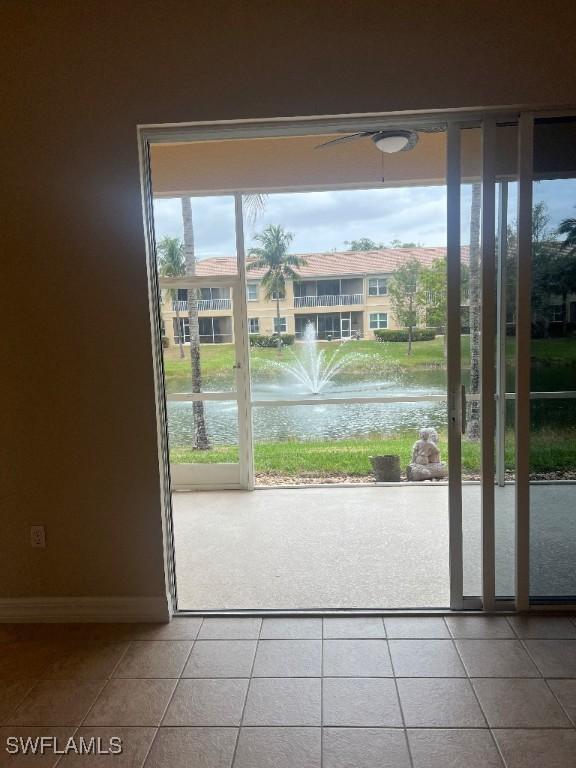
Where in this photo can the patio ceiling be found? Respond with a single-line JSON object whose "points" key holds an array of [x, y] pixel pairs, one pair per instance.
{"points": [[294, 163]]}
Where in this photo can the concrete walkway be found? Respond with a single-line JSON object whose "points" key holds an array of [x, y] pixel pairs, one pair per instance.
{"points": [[356, 547]]}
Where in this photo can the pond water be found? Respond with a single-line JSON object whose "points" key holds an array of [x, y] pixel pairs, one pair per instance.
{"points": [[337, 422], [323, 421]]}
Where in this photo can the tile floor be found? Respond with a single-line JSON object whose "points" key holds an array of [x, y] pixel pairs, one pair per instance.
{"points": [[373, 692]]}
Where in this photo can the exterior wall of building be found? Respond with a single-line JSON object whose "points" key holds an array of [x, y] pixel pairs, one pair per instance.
{"points": [[362, 308]]}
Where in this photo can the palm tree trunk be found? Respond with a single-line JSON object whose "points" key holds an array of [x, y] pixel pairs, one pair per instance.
{"points": [[201, 441], [178, 324], [473, 420]]}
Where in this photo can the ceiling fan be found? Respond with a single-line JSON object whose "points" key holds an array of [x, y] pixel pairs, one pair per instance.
{"points": [[388, 140]]}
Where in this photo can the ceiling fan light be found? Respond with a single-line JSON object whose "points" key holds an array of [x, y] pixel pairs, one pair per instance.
{"points": [[391, 144]]}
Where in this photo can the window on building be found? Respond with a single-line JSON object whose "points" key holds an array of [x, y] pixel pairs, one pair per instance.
{"points": [[379, 320], [252, 291], [181, 330], [377, 286], [182, 294], [280, 325], [253, 325], [557, 313], [275, 295], [211, 293]]}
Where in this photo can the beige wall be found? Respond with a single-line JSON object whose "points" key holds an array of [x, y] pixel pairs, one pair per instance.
{"points": [[78, 424]]}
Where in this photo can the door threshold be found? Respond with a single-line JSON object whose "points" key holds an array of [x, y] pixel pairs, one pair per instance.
{"points": [[343, 612]]}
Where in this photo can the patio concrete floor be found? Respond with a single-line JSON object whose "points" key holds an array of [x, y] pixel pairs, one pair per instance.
{"points": [[356, 547]]}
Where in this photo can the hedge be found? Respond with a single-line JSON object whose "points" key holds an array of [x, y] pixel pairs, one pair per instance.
{"points": [[257, 340], [418, 334]]}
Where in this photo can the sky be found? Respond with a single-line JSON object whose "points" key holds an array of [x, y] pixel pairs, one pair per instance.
{"points": [[324, 221]]}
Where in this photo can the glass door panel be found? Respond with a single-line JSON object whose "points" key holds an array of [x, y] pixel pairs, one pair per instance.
{"points": [[506, 194], [206, 387], [552, 465], [471, 362], [211, 322]]}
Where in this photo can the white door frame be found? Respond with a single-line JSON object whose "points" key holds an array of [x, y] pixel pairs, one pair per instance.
{"points": [[454, 373], [236, 129], [456, 394]]}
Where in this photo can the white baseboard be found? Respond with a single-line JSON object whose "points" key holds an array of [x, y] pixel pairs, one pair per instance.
{"points": [[84, 609]]}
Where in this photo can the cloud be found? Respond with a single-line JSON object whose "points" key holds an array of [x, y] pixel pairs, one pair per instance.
{"points": [[323, 221]]}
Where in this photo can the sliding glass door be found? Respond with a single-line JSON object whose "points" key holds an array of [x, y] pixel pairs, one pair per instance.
{"points": [[551, 481], [481, 189], [493, 372]]}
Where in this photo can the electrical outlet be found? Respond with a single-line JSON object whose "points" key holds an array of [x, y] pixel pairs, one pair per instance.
{"points": [[37, 536]]}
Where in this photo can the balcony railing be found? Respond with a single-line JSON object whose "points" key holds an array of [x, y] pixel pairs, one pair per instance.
{"points": [[329, 301], [203, 305]]}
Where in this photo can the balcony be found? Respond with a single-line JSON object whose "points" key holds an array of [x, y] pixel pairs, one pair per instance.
{"points": [[343, 299], [204, 305]]}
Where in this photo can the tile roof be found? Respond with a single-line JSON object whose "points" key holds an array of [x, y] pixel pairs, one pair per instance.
{"points": [[336, 263]]}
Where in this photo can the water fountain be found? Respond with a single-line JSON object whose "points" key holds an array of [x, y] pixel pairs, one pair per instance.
{"points": [[314, 368]]}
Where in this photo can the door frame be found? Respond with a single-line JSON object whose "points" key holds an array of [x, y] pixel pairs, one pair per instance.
{"points": [[235, 129], [349, 328]]}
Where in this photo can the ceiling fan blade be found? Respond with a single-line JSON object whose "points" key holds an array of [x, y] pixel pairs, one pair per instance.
{"points": [[343, 139]]}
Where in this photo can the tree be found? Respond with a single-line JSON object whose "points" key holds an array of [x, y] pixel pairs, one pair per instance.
{"points": [[273, 256], [553, 266], [254, 205], [568, 229], [171, 263], [433, 282], [400, 244], [363, 244], [563, 278], [407, 296], [201, 441]]}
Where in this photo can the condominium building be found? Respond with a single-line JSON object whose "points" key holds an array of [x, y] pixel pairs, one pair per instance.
{"points": [[344, 294]]}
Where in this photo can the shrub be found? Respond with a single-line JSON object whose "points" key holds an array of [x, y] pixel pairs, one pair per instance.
{"points": [[258, 340], [418, 334], [165, 342]]}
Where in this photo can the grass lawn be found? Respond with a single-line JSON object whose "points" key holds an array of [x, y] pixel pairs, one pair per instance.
{"points": [[218, 359], [551, 451]]}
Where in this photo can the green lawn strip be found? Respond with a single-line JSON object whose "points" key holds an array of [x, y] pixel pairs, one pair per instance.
{"points": [[551, 451]]}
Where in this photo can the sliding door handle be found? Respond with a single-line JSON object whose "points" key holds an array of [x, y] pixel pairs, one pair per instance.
{"points": [[463, 407]]}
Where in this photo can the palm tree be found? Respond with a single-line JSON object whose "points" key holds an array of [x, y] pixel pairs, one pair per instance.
{"points": [[201, 441], [568, 228], [560, 275], [273, 256], [171, 264], [254, 205]]}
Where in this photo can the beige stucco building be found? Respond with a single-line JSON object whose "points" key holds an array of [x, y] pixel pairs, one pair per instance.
{"points": [[344, 294]]}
